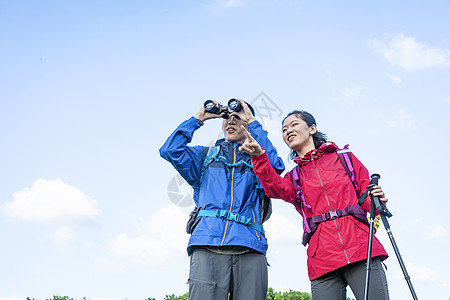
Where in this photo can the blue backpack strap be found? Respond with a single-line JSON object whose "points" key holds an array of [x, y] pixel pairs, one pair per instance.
{"points": [[236, 164], [224, 214], [346, 160], [210, 156], [265, 203]]}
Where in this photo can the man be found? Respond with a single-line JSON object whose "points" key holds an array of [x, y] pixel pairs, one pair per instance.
{"points": [[227, 247]]}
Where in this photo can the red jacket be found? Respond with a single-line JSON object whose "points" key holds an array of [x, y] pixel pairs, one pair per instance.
{"points": [[337, 242]]}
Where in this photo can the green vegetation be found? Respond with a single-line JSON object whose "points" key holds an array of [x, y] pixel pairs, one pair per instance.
{"points": [[271, 295], [291, 295], [57, 298], [173, 297]]}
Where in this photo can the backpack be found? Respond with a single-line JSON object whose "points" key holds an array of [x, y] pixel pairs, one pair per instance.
{"points": [[346, 160], [265, 204], [310, 224]]}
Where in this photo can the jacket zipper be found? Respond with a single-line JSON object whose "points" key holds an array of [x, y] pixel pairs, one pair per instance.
{"points": [[232, 192], [329, 206], [254, 220]]}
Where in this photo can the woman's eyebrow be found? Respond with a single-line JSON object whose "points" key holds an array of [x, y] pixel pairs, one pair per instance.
{"points": [[289, 123]]}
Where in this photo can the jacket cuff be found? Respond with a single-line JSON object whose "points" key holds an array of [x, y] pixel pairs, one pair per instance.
{"points": [[260, 157], [196, 122], [200, 122]]}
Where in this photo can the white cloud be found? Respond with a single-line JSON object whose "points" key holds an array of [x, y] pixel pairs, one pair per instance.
{"points": [[445, 283], [430, 230], [353, 93], [437, 231], [142, 249], [228, 3], [169, 225], [445, 99], [12, 298], [402, 119], [418, 273], [279, 228], [49, 200], [233, 3], [165, 231], [394, 78], [219, 6], [405, 52], [103, 265], [64, 235]]}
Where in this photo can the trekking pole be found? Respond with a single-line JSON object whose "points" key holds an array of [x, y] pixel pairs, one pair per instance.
{"points": [[371, 234], [384, 214]]}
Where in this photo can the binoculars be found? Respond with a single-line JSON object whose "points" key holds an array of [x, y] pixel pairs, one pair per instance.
{"points": [[233, 106]]}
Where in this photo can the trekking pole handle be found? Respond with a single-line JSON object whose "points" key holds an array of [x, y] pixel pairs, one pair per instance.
{"points": [[380, 206], [374, 179], [373, 182]]}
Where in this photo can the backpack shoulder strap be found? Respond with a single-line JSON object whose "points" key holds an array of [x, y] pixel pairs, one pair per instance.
{"points": [[265, 202], [210, 156], [346, 160], [299, 197], [295, 176]]}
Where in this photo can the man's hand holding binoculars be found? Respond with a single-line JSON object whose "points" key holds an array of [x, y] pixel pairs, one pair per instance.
{"points": [[245, 114], [237, 108], [203, 114]]}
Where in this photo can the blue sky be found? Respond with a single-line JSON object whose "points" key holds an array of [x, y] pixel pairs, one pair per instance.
{"points": [[89, 91]]}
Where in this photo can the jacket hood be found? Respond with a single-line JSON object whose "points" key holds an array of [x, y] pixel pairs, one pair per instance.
{"points": [[316, 153]]}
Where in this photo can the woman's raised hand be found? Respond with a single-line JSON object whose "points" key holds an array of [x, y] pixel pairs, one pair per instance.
{"points": [[250, 145]]}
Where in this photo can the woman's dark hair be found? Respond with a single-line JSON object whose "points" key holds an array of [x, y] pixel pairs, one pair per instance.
{"points": [[318, 137]]}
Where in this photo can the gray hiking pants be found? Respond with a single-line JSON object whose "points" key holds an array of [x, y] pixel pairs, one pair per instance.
{"points": [[212, 276], [333, 285]]}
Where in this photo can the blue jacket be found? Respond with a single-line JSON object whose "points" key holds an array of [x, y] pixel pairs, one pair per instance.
{"points": [[227, 184]]}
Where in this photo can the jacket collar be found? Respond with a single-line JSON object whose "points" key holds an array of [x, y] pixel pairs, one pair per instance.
{"points": [[220, 142], [223, 142], [316, 153]]}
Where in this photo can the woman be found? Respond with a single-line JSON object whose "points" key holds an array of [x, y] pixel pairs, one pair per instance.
{"points": [[337, 249]]}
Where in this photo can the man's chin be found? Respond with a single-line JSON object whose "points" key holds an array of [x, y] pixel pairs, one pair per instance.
{"points": [[233, 139]]}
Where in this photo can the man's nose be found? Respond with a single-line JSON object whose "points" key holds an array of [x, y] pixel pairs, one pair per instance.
{"points": [[231, 120]]}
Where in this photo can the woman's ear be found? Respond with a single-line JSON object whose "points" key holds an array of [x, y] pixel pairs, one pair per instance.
{"points": [[313, 129]]}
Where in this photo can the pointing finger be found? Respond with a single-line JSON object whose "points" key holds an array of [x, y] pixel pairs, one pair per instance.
{"points": [[246, 133]]}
